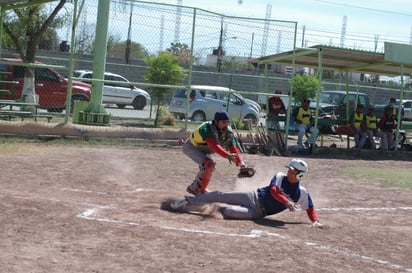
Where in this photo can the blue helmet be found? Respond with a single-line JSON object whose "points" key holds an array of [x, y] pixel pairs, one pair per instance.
{"points": [[221, 115]]}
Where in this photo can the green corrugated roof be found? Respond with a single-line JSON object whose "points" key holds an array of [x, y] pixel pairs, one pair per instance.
{"points": [[338, 58]]}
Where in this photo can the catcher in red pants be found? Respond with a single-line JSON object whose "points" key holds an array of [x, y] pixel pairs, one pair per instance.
{"points": [[211, 137]]}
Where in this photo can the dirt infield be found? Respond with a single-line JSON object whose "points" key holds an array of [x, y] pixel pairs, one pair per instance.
{"points": [[85, 208]]}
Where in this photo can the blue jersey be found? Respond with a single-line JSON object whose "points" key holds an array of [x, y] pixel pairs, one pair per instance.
{"points": [[294, 192]]}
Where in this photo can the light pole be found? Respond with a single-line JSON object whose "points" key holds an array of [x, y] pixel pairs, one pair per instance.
{"points": [[220, 49], [251, 46], [129, 41]]}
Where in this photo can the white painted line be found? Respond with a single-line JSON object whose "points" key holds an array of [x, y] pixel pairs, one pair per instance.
{"points": [[143, 190], [84, 191], [106, 193], [364, 209], [88, 215]]}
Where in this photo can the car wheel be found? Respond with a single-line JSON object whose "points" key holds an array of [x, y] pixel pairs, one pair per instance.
{"points": [[198, 116], [252, 117], [121, 106], [139, 103]]}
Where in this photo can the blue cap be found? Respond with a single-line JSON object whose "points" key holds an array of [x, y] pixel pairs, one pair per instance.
{"points": [[222, 115]]}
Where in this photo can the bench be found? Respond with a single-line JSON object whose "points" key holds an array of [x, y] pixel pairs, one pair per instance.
{"points": [[15, 113], [36, 116], [9, 114], [406, 125], [321, 122], [21, 112]]}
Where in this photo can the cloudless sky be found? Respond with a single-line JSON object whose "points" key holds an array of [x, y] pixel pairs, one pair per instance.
{"points": [[382, 19]]}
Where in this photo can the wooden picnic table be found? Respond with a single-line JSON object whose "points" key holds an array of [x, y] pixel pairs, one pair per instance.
{"points": [[21, 109]]}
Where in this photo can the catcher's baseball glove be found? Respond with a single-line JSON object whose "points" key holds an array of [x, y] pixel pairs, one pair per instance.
{"points": [[246, 171]]}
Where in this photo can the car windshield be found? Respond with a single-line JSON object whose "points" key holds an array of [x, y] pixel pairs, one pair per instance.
{"points": [[330, 98]]}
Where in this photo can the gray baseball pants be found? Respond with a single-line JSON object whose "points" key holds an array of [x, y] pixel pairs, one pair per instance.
{"points": [[244, 205]]}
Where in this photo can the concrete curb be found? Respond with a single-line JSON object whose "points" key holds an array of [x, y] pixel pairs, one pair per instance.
{"points": [[31, 128]]}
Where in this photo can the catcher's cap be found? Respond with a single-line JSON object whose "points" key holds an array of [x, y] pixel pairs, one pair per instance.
{"points": [[298, 165], [221, 115]]}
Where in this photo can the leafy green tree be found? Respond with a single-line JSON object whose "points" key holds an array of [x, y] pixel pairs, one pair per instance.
{"points": [[304, 86], [118, 49], [49, 40], [163, 69], [25, 28], [232, 64]]}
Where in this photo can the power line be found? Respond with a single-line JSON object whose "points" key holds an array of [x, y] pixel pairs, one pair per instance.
{"points": [[365, 8]]}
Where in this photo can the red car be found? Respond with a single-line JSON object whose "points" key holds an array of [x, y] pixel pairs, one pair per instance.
{"points": [[51, 87]]}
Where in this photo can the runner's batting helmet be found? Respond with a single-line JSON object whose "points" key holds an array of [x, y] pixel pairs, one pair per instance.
{"points": [[298, 165]]}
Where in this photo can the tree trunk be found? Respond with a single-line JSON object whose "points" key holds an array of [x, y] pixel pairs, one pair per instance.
{"points": [[29, 90]]}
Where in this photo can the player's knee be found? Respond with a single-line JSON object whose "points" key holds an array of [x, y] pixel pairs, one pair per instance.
{"points": [[209, 164]]}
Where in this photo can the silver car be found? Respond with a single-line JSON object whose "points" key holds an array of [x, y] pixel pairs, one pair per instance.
{"points": [[206, 100], [118, 90]]}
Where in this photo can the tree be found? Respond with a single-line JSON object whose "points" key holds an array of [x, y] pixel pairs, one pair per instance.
{"points": [[85, 38], [118, 49], [49, 40], [304, 86], [25, 28], [182, 51], [163, 69]]}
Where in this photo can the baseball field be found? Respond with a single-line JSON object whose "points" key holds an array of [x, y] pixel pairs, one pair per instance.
{"points": [[102, 208]]}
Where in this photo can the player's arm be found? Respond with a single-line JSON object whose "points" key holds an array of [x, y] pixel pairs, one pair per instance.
{"points": [[313, 216], [216, 147], [276, 193], [234, 150]]}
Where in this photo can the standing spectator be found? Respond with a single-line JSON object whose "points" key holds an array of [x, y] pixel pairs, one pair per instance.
{"points": [[356, 123], [303, 124], [276, 107], [371, 128], [387, 125]]}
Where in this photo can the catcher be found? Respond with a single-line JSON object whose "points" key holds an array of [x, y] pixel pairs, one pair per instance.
{"points": [[283, 192], [209, 138]]}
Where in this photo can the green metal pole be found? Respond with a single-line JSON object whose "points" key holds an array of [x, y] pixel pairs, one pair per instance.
{"points": [[1, 27], [399, 115], [190, 67], [71, 65], [99, 60], [320, 67]]}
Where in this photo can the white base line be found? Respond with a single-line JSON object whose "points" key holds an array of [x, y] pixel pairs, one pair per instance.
{"points": [[88, 215], [364, 209]]}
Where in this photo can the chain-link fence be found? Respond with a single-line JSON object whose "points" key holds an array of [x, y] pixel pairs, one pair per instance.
{"points": [[215, 50], [220, 47]]}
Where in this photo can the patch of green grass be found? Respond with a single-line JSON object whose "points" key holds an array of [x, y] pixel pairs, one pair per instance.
{"points": [[389, 177]]}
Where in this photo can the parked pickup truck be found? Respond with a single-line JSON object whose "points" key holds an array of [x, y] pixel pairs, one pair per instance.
{"points": [[406, 113], [334, 102], [50, 86]]}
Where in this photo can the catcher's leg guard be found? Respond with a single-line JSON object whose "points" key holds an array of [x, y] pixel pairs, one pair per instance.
{"points": [[202, 179]]}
